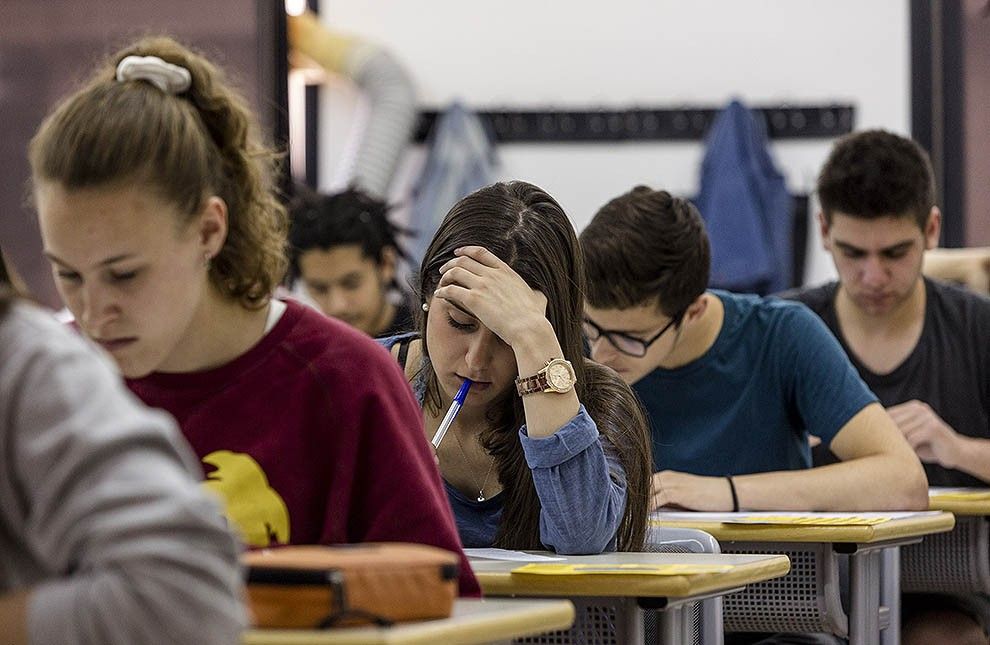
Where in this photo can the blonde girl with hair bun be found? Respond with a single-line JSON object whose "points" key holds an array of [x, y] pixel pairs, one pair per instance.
{"points": [[158, 212]]}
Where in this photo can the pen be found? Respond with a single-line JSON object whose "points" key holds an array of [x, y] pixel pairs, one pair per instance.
{"points": [[448, 418]]}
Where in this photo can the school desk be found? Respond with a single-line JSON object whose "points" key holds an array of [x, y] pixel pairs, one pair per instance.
{"points": [[621, 585], [808, 599], [472, 621]]}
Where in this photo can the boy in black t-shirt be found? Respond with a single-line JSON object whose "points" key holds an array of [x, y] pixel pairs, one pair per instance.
{"points": [[919, 344]]}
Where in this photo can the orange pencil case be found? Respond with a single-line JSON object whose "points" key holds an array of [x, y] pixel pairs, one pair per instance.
{"points": [[319, 587]]}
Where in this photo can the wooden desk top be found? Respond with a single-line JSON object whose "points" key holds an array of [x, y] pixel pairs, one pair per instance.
{"points": [[955, 503], [472, 621], [497, 579], [893, 529]]}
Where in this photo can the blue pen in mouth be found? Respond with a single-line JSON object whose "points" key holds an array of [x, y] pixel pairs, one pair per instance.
{"points": [[448, 418], [462, 392]]}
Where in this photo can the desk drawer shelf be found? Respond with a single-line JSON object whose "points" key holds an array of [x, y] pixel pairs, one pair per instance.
{"points": [[806, 600], [596, 622], [953, 562]]}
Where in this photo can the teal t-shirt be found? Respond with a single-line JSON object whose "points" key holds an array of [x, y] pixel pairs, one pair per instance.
{"points": [[774, 375]]}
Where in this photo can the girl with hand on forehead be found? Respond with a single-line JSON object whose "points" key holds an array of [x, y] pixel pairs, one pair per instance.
{"points": [[159, 215], [548, 450]]}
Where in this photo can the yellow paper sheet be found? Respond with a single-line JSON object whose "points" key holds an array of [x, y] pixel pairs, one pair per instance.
{"points": [[809, 520], [976, 496], [621, 569]]}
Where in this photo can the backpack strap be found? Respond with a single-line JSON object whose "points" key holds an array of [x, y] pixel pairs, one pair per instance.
{"points": [[403, 351]]}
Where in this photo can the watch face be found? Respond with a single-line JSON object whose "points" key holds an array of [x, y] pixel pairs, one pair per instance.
{"points": [[559, 377]]}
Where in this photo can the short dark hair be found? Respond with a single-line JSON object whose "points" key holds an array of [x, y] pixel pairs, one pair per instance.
{"points": [[646, 246], [874, 174], [320, 221]]}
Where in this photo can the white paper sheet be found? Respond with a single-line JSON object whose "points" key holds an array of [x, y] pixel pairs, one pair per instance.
{"points": [[946, 490], [512, 556]]}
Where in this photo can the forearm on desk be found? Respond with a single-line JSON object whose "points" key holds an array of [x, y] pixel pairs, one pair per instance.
{"points": [[13, 617], [868, 483]]}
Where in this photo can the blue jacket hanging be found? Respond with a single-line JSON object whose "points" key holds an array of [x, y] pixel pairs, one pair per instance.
{"points": [[461, 159], [746, 206]]}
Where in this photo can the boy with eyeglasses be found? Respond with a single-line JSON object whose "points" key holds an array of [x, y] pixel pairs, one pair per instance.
{"points": [[732, 384]]}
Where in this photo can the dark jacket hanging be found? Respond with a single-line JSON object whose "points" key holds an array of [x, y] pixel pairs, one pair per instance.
{"points": [[746, 206]]}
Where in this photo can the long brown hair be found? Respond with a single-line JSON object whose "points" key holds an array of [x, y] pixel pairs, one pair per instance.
{"points": [[186, 147], [526, 228]]}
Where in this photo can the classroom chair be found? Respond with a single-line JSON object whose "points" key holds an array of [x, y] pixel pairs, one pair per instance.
{"points": [[705, 616]]}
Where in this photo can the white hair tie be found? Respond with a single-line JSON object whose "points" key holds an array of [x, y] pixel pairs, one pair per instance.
{"points": [[165, 76]]}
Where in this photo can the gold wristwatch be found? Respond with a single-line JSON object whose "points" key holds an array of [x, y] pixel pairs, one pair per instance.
{"points": [[556, 376]]}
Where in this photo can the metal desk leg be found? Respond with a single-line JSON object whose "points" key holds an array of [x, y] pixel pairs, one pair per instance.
{"points": [[687, 623], [671, 623], [864, 598], [890, 594], [633, 619]]}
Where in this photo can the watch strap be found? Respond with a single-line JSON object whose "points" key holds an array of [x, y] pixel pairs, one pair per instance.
{"points": [[532, 384]]}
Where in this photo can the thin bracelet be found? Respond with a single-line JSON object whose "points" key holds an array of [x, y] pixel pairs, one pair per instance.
{"points": [[735, 499]]}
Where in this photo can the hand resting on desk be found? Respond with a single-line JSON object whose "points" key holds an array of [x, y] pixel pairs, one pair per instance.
{"points": [[690, 492]]}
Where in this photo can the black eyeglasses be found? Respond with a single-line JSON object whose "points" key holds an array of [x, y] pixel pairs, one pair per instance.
{"points": [[629, 345]]}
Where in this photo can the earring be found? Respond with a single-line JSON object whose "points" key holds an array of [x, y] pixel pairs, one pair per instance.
{"points": [[426, 306], [206, 260]]}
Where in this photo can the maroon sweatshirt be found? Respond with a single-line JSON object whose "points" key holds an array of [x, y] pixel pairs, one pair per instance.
{"points": [[313, 437]]}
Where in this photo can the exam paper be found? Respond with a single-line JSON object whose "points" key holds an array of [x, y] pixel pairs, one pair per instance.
{"points": [[789, 518], [505, 554], [622, 569], [959, 494]]}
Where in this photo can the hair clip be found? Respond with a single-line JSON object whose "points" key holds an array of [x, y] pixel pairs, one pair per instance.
{"points": [[167, 77]]}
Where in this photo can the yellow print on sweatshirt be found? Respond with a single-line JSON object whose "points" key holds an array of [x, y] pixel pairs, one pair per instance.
{"points": [[251, 504]]}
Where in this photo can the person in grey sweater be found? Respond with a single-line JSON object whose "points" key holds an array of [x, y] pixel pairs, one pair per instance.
{"points": [[105, 535]]}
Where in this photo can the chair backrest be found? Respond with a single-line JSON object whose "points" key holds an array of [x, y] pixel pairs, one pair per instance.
{"points": [[664, 539], [706, 615]]}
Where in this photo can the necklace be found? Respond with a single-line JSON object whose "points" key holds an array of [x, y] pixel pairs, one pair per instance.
{"points": [[481, 489]]}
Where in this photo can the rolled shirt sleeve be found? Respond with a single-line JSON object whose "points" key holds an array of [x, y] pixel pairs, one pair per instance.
{"points": [[581, 485]]}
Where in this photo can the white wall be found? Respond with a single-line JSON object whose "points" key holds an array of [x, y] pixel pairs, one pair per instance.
{"points": [[624, 53]]}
